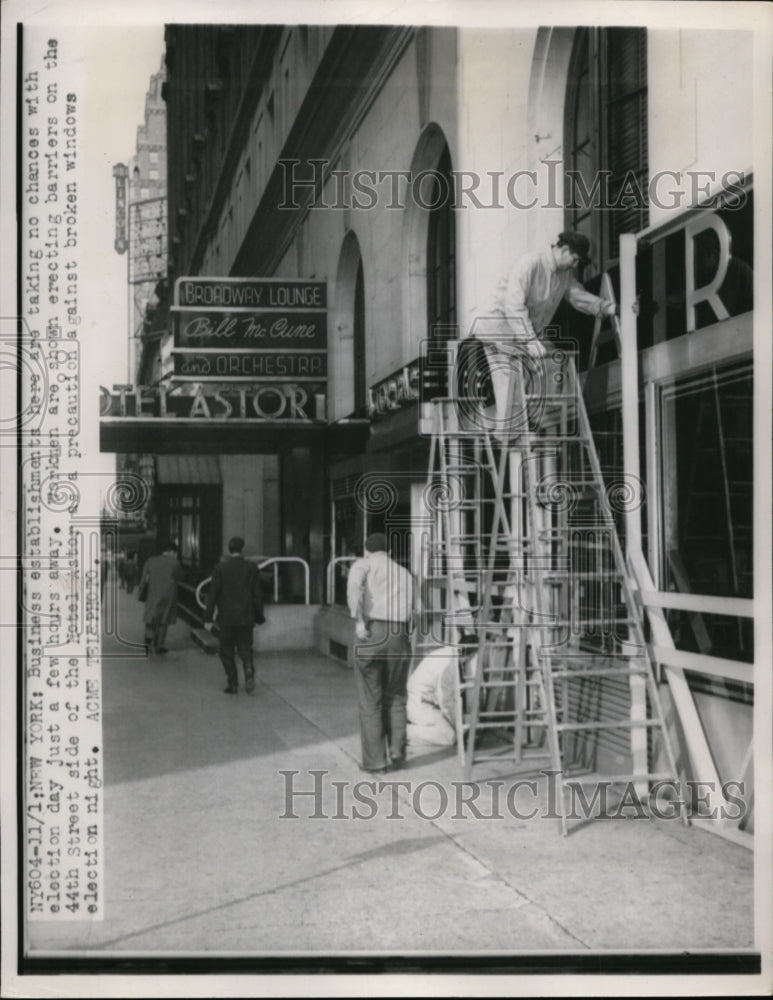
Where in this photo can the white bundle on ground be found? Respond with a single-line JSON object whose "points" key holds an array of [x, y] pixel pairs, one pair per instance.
{"points": [[431, 698]]}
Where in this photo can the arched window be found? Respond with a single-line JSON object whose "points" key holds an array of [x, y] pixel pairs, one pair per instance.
{"points": [[605, 138], [441, 251], [429, 245], [441, 269], [348, 375]]}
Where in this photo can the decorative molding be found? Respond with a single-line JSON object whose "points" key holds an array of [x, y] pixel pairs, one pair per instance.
{"points": [[423, 51]]}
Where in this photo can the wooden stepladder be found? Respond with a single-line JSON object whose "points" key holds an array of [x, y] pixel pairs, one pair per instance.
{"points": [[524, 573]]}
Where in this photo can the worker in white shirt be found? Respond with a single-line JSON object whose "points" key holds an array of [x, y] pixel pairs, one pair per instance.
{"points": [[380, 598], [523, 305]]}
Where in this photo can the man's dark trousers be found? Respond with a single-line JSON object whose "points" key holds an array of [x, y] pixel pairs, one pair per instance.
{"points": [[235, 592], [381, 671], [236, 638]]}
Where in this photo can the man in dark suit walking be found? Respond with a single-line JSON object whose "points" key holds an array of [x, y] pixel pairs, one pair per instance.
{"points": [[235, 592]]}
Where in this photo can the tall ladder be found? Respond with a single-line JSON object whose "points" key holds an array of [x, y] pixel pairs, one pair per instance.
{"points": [[524, 570]]}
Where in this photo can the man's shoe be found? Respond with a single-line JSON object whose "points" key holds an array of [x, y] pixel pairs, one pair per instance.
{"points": [[162, 649], [397, 763], [374, 770], [230, 690], [249, 687]]}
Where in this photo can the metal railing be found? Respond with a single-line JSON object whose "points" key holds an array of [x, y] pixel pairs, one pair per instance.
{"points": [[330, 575], [262, 563]]}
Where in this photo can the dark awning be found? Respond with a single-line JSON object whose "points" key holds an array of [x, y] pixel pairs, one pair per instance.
{"points": [[200, 469], [172, 436]]}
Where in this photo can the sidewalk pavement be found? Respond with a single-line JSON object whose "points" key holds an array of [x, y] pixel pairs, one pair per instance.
{"points": [[201, 856]]}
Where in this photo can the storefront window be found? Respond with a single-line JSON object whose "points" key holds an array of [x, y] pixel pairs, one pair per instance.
{"points": [[191, 516], [347, 532], [185, 526], [707, 516]]}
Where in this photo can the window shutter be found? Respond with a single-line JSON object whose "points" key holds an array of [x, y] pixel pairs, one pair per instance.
{"points": [[626, 130], [360, 372], [605, 137]]}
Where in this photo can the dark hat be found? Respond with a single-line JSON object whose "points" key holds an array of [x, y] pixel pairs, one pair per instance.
{"points": [[577, 242], [376, 542]]}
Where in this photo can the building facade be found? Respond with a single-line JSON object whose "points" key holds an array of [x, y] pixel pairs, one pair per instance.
{"points": [[406, 169], [147, 226]]}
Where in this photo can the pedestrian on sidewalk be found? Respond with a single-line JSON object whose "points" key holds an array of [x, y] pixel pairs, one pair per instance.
{"points": [[158, 588], [524, 303], [236, 595], [380, 598], [131, 572]]}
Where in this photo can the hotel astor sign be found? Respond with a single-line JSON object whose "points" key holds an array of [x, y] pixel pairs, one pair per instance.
{"points": [[258, 329]]}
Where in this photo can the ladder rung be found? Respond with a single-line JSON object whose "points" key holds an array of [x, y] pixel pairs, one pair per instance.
{"points": [[500, 724], [599, 672], [583, 623], [609, 724], [590, 657], [468, 537], [567, 576], [557, 622], [505, 496], [489, 725], [576, 530], [614, 778], [535, 438], [508, 713], [471, 434], [467, 685], [486, 686], [507, 754]]}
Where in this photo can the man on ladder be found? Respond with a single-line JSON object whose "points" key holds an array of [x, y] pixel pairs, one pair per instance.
{"points": [[557, 622], [524, 303]]}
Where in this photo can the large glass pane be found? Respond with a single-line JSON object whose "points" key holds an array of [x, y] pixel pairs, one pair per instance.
{"points": [[706, 432]]}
